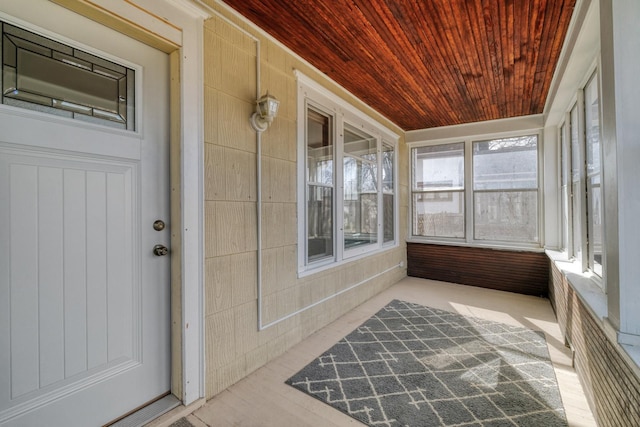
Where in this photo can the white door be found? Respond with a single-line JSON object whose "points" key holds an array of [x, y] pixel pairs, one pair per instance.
{"points": [[84, 301]]}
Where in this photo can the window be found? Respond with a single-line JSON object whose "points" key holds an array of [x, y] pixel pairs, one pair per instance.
{"points": [[388, 192], [438, 191], [503, 201], [320, 185], [349, 180], [505, 189], [582, 210], [360, 193], [593, 175], [43, 75], [565, 190], [576, 178]]}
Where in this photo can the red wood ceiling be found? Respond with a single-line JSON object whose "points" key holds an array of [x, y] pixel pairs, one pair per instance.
{"points": [[426, 63]]}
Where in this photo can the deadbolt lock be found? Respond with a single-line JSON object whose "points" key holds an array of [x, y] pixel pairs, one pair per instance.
{"points": [[158, 225]]}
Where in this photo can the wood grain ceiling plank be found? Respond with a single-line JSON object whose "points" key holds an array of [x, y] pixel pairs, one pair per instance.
{"points": [[492, 21], [563, 23], [488, 84], [551, 47], [520, 21], [447, 80], [328, 46], [404, 88], [427, 63], [469, 36], [432, 51], [399, 49], [419, 66], [441, 80], [459, 46], [480, 50], [536, 22], [543, 56], [506, 37]]}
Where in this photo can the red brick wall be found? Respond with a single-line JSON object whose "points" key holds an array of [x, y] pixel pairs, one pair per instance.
{"points": [[611, 386]]}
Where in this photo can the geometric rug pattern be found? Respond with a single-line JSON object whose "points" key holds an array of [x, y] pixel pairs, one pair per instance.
{"points": [[416, 366]]}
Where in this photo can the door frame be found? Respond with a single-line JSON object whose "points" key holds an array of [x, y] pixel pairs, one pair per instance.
{"points": [[176, 27]]}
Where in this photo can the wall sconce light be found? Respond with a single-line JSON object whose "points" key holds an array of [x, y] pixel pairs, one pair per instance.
{"points": [[266, 111]]}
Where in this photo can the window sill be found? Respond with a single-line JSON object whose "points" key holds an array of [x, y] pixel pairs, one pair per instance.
{"points": [[586, 285], [320, 267]]}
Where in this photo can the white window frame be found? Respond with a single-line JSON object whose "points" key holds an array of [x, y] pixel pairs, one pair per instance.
{"points": [[590, 252], [566, 206], [469, 216], [454, 191], [393, 192], [578, 200], [312, 94], [577, 223]]}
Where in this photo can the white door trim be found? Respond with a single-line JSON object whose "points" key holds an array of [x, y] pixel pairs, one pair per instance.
{"points": [[190, 19], [192, 197]]}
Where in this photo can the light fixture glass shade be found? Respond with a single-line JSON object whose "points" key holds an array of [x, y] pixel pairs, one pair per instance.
{"points": [[266, 111]]}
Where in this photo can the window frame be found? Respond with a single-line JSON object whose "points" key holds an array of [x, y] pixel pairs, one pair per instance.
{"points": [[345, 116], [437, 192], [516, 189], [566, 194], [594, 78], [357, 250], [469, 192], [393, 192], [319, 109], [577, 224], [576, 180]]}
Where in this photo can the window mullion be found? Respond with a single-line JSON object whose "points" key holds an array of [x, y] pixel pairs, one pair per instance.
{"points": [[584, 258], [567, 162], [339, 187], [468, 192], [379, 185]]}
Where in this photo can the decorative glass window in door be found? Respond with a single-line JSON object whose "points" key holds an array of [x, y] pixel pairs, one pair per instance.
{"points": [[47, 76]]}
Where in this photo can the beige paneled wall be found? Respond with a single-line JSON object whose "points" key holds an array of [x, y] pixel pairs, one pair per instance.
{"points": [[234, 346]]}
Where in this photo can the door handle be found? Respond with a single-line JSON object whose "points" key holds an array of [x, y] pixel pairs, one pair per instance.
{"points": [[160, 250]]}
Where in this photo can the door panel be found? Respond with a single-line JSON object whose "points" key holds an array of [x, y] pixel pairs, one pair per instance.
{"points": [[84, 303], [71, 269]]}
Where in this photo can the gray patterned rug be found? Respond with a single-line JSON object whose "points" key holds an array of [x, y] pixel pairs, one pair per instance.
{"points": [[411, 365]]}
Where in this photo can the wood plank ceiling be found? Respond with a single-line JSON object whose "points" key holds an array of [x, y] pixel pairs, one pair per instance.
{"points": [[426, 63]]}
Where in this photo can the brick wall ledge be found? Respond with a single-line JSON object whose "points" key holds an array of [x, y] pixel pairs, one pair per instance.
{"points": [[587, 287]]}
